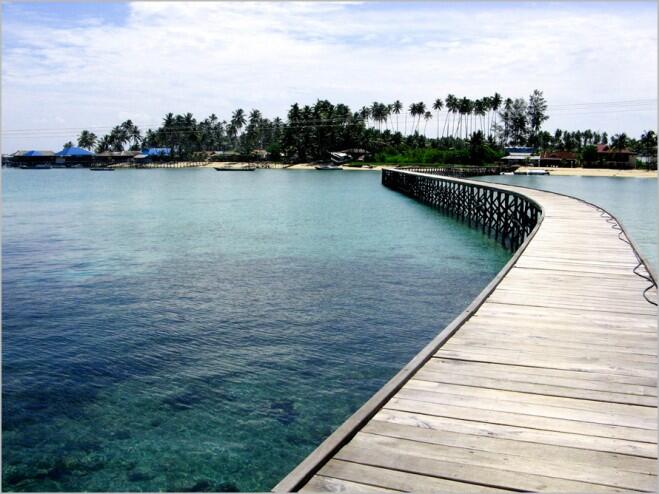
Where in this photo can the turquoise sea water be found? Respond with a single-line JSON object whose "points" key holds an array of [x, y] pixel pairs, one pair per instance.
{"points": [[632, 200], [194, 330]]}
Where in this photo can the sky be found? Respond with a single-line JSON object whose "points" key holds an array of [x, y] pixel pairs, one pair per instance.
{"points": [[73, 66]]}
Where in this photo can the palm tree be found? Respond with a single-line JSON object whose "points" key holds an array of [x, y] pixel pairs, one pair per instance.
{"points": [[507, 106], [463, 106], [414, 111], [238, 119], [479, 111], [588, 136], [451, 106], [118, 137], [396, 108], [596, 137], [418, 110], [437, 106], [388, 110], [104, 144], [168, 121], [427, 116], [486, 102], [619, 141], [378, 113], [86, 139], [365, 113], [648, 142], [135, 135], [255, 117], [496, 103]]}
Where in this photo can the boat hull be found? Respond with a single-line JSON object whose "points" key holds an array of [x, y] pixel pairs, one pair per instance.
{"points": [[235, 169]]}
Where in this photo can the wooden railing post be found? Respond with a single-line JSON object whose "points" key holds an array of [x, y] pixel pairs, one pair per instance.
{"points": [[507, 216]]}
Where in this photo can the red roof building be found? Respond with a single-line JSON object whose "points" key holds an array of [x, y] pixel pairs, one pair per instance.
{"points": [[615, 158]]}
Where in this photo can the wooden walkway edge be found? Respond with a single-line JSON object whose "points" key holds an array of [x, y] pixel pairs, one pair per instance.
{"points": [[546, 382]]}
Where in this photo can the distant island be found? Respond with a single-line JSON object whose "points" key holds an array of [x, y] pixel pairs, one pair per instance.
{"points": [[466, 132]]}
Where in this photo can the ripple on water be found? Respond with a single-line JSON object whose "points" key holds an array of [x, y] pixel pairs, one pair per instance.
{"points": [[211, 342]]}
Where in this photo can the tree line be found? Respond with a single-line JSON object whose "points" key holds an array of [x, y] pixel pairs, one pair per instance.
{"points": [[464, 130]]}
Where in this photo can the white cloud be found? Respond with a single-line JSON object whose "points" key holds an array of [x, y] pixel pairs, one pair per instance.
{"points": [[213, 57]]}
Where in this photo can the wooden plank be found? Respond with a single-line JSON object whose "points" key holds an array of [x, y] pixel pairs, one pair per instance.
{"points": [[542, 264], [560, 292], [397, 480], [390, 457], [532, 398], [566, 339], [565, 463], [557, 338], [538, 300], [521, 420], [641, 322], [643, 375], [632, 294], [548, 411], [620, 447], [321, 483], [530, 348], [588, 331], [539, 389], [637, 384]]}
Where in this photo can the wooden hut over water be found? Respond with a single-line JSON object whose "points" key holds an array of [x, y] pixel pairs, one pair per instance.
{"points": [[113, 157], [150, 155], [74, 156], [31, 159]]}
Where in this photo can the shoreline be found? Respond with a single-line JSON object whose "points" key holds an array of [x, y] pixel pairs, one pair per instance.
{"points": [[593, 172], [557, 172]]}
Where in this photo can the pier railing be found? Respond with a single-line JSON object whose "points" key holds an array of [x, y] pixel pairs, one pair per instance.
{"points": [[463, 171], [505, 215]]}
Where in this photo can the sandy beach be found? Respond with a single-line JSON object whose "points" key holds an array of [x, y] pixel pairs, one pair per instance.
{"points": [[567, 172], [595, 172]]}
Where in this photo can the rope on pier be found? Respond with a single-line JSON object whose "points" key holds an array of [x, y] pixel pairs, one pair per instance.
{"points": [[621, 234]]}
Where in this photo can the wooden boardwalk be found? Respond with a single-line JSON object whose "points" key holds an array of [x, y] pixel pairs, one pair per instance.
{"points": [[550, 384]]}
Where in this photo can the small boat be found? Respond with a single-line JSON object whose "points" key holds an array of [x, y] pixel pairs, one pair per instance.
{"points": [[101, 169], [531, 172], [36, 167], [239, 168], [507, 173], [328, 167]]}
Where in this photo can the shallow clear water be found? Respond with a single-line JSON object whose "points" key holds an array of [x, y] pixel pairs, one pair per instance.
{"points": [[632, 200], [194, 330]]}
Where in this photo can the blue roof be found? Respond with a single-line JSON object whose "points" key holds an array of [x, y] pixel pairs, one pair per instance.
{"points": [[73, 151], [157, 151], [519, 149], [36, 153]]}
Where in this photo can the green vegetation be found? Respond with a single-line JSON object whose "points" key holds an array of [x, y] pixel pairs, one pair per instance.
{"points": [[465, 132], [589, 154]]}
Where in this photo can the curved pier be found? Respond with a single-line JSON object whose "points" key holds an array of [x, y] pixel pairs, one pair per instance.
{"points": [[546, 382]]}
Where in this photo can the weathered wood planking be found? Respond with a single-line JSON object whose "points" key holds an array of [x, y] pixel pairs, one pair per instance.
{"points": [[547, 382]]}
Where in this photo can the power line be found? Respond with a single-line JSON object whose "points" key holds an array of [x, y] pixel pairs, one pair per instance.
{"points": [[621, 106]]}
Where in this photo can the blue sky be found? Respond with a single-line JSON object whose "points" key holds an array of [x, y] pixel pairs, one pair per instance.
{"points": [[68, 66]]}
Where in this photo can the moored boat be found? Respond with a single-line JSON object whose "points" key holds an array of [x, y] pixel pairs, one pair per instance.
{"points": [[531, 172], [328, 167], [36, 167], [101, 169], [238, 168]]}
